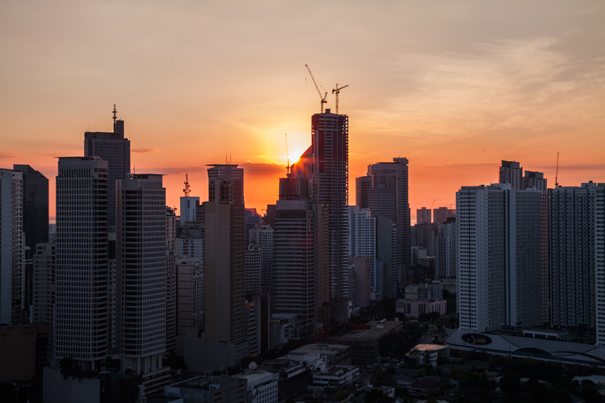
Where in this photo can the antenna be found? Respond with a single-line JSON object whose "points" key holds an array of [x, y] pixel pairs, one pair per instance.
{"points": [[337, 91], [114, 113], [287, 156], [187, 190], [323, 99], [557, 172]]}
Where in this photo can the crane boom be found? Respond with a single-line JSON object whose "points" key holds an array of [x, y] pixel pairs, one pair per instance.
{"points": [[323, 99], [557, 172], [287, 156], [337, 91]]}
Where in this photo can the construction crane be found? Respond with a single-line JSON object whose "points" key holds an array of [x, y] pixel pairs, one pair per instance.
{"points": [[337, 91], [323, 99], [287, 156], [557, 172]]}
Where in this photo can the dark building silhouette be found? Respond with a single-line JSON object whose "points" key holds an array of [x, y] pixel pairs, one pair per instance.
{"points": [[114, 148], [35, 205]]}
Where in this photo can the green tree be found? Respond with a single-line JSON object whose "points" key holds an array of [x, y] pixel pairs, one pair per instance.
{"points": [[510, 385], [382, 378]]}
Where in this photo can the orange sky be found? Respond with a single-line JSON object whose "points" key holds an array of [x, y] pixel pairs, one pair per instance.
{"points": [[453, 86]]}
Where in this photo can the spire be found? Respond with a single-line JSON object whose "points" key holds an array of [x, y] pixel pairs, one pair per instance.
{"points": [[187, 190], [114, 113]]}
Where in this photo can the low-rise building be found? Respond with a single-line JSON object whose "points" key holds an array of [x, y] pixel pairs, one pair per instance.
{"points": [[413, 308], [207, 389], [294, 376], [335, 354], [262, 386], [419, 353], [336, 376], [364, 340]]}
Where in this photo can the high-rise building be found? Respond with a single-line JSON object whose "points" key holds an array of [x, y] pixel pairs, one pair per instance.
{"points": [[576, 232], [499, 273], [534, 179], [224, 258], [511, 172], [44, 283], [445, 250], [362, 186], [141, 273], [253, 268], [12, 247], [388, 196], [35, 206], [362, 239], [114, 148], [262, 235], [441, 215], [423, 216], [81, 307], [387, 254], [330, 148]]}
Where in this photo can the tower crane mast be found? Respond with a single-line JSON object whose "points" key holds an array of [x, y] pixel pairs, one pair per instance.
{"points": [[557, 172], [337, 91]]}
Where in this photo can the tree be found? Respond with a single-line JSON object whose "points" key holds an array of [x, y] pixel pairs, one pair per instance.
{"points": [[382, 378], [510, 385], [341, 394], [377, 396]]}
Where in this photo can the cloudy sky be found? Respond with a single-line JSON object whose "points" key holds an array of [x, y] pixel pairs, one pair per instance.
{"points": [[454, 86]]}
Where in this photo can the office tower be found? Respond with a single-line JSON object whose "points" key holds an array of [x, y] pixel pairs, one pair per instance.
{"points": [[534, 179], [171, 279], [362, 186], [388, 196], [294, 276], [12, 247], [141, 273], [35, 205], [253, 266], [362, 239], [363, 290], [252, 220], [577, 257], [190, 296], [190, 242], [387, 253], [114, 148], [445, 250], [188, 205], [511, 172], [44, 283], [499, 261], [441, 215], [171, 229], [81, 307], [224, 258], [262, 235], [423, 216], [330, 148]]}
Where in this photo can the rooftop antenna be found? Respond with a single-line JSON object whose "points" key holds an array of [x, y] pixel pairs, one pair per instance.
{"points": [[114, 113], [323, 99], [337, 91], [287, 156], [187, 190], [557, 172]]}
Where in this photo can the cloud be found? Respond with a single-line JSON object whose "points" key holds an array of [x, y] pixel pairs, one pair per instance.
{"points": [[145, 150], [6, 155], [575, 167]]}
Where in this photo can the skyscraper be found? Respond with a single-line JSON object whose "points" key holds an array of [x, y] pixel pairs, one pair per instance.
{"points": [[114, 148], [499, 278], [423, 216], [224, 258], [12, 247], [141, 273], [576, 232], [388, 196], [262, 235], [362, 239], [35, 206], [81, 321], [330, 147], [445, 250]]}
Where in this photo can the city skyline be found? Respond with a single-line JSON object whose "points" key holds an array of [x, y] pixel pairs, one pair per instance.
{"points": [[455, 88]]}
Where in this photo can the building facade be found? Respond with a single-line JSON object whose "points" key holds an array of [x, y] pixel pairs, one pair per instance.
{"points": [[81, 319]]}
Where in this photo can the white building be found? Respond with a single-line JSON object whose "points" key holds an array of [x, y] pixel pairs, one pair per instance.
{"points": [[262, 386], [188, 209], [362, 239], [12, 247], [500, 238], [81, 301]]}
